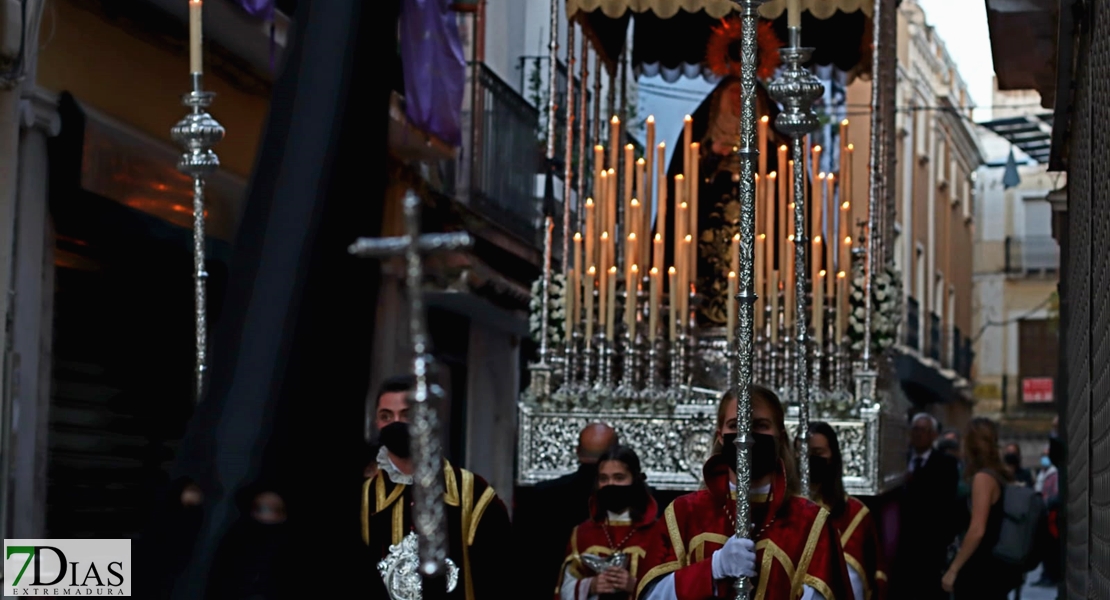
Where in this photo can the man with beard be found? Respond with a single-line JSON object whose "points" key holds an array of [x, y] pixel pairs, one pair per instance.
{"points": [[477, 521], [546, 514]]}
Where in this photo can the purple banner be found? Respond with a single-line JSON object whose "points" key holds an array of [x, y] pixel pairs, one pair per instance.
{"points": [[260, 9], [434, 68]]}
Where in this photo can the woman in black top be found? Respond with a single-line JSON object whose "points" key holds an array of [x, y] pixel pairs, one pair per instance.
{"points": [[975, 573]]}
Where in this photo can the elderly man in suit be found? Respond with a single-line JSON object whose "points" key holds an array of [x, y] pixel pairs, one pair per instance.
{"points": [[928, 508]]}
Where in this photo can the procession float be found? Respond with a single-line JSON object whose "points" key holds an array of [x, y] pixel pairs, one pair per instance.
{"points": [[759, 254]]}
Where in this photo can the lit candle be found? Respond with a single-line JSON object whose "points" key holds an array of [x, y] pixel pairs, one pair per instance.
{"points": [[629, 172], [793, 13], [769, 211], [599, 170], [760, 276], [672, 281], [692, 201], [790, 188], [629, 259], [646, 194], [731, 303], [831, 245], [577, 269], [196, 28], [614, 140], [841, 304], [818, 206], [591, 279], [845, 252], [687, 139], [590, 216], [653, 304], [630, 288], [819, 308], [611, 304], [815, 263], [816, 159], [846, 181], [603, 274], [760, 224], [843, 137], [634, 211], [570, 311], [643, 221], [661, 203], [687, 283], [611, 209], [734, 254], [761, 137], [680, 227], [657, 253], [788, 285], [785, 180]]}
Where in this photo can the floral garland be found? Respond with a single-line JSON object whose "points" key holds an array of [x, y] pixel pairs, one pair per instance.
{"points": [[718, 52], [886, 305], [556, 309]]}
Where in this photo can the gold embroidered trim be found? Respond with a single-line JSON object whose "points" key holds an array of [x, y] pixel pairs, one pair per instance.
{"points": [[807, 554], [855, 564], [467, 513], [450, 486], [365, 516], [697, 545], [479, 510], [675, 533], [880, 576], [655, 573], [771, 551], [847, 534], [819, 585], [398, 522]]}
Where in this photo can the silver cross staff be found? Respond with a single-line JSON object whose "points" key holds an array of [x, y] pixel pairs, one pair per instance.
{"points": [[428, 513]]}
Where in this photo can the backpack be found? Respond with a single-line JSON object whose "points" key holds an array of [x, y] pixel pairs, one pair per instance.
{"points": [[1023, 510]]}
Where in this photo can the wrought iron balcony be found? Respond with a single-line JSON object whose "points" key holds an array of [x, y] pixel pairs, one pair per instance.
{"points": [[912, 328], [1032, 255], [934, 349]]}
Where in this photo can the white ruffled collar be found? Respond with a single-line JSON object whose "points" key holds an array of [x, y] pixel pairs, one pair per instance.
{"points": [[386, 466]]}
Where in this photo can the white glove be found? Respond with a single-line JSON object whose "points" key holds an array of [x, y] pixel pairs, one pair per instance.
{"points": [[735, 559]]}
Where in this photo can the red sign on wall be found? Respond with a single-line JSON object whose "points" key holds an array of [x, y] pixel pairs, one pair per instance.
{"points": [[1036, 390]]}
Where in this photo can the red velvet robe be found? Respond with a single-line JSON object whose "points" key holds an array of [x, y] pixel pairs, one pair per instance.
{"points": [[860, 539], [644, 544], [799, 546]]}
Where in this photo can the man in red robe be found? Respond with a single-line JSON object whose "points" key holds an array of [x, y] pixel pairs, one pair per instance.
{"points": [[623, 515], [858, 534], [793, 550]]}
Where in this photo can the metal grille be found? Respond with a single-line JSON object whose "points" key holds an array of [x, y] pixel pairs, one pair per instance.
{"points": [[1098, 585]]}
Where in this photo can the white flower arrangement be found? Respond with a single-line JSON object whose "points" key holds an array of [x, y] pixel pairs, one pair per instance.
{"points": [[556, 309], [886, 306]]}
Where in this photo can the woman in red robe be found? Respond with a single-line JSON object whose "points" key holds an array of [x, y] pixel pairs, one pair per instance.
{"points": [[622, 523], [858, 533], [793, 552]]}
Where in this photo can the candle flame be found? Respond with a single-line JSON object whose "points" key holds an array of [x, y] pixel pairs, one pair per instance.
{"points": [[764, 119], [817, 148], [683, 206], [772, 175], [651, 119], [654, 271], [847, 239], [640, 161], [736, 238], [680, 177], [604, 174], [688, 119], [615, 120], [821, 175], [599, 147], [578, 237], [670, 271], [821, 273], [790, 238], [841, 275], [592, 270], [635, 268], [831, 177], [613, 271], [604, 235], [689, 238], [662, 145], [851, 147], [635, 203], [732, 274], [589, 202], [629, 147], [844, 122], [632, 237], [659, 237], [761, 237], [612, 171], [845, 206], [695, 145], [816, 239], [783, 148]]}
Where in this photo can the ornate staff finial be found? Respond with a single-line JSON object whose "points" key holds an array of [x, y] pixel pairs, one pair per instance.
{"points": [[428, 514]]}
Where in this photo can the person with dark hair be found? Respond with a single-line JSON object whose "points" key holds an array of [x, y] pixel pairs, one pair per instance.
{"points": [[1012, 458], [792, 547], [256, 550], [478, 522], [858, 533], [622, 515]]}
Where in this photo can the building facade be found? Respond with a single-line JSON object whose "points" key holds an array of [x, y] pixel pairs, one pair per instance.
{"points": [[1016, 272], [936, 155]]}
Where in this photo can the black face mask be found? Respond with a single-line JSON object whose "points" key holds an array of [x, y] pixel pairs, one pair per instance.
{"points": [[820, 471], [1013, 460], [617, 498], [395, 437], [764, 454]]}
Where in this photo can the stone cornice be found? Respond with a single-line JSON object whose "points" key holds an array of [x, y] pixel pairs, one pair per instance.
{"points": [[39, 109]]}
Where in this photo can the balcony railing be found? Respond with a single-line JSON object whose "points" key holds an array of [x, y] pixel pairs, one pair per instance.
{"points": [[502, 156], [912, 328], [1026, 255], [934, 349], [962, 353]]}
